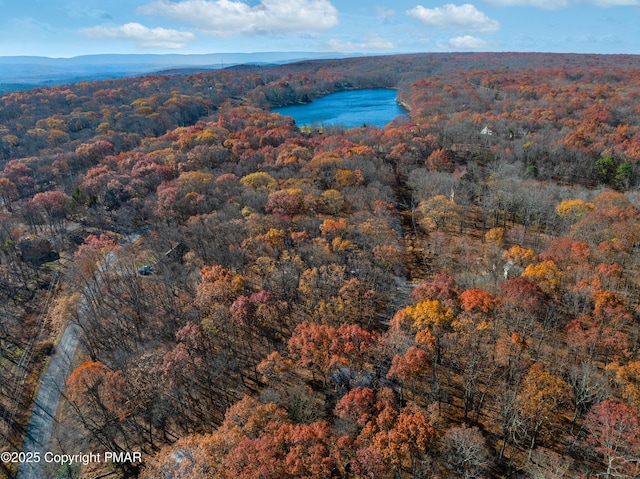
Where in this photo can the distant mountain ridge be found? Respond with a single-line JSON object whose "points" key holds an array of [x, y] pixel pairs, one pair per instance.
{"points": [[24, 72]]}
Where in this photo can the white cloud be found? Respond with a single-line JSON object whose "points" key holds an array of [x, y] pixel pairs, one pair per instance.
{"points": [[614, 3], [542, 4], [143, 36], [373, 42], [560, 4], [231, 18], [464, 17], [467, 42]]}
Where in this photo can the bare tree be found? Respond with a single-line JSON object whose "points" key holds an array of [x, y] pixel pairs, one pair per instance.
{"points": [[465, 452]]}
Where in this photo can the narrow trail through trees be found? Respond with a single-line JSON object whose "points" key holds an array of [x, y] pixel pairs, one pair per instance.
{"points": [[413, 240]]}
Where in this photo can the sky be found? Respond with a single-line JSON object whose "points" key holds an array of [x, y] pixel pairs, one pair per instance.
{"points": [[67, 28]]}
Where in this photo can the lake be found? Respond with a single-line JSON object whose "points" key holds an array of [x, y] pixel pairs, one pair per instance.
{"points": [[347, 108]]}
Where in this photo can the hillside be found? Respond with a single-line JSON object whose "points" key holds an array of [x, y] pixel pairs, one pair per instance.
{"points": [[450, 296], [26, 72]]}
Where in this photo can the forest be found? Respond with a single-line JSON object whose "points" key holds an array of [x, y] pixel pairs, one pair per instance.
{"points": [[454, 295]]}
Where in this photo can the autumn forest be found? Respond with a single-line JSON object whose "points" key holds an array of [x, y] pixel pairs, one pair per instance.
{"points": [[455, 295]]}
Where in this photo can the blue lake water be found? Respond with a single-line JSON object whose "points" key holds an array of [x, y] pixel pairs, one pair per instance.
{"points": [[347, 108]]}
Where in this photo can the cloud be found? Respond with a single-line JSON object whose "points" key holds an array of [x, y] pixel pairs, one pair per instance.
{"points": [[541, 4], [143, 36], [464, 17], [467, 42], [30, 24], [81, 11], [384, 12], [231, 18], [373, 42], [614, 3], [560, 4]]}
